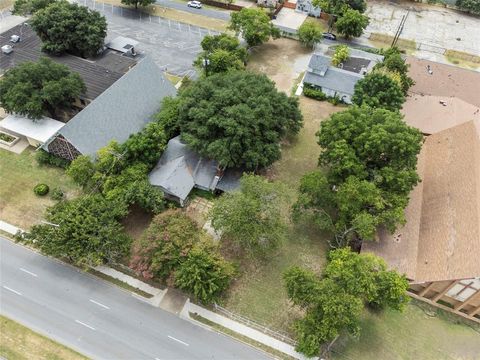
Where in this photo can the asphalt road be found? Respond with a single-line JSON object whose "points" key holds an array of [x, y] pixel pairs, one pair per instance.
{"points": [[182, 6], [98, 319]]}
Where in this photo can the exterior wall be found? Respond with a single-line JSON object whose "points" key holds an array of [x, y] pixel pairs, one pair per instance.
{"points": [[347, 98], [306, 7], [62, 148], [33, 142], [461, 297]]}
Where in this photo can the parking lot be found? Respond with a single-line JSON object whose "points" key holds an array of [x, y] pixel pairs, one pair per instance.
{"points": [[172, 44]]}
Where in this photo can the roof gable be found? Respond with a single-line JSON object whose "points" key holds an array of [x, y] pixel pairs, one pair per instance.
{"points": [[123, 109]]}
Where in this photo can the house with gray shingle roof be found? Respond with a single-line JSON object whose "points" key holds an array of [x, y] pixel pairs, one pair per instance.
{"points": [[339, 81], [121, 110], [180, 169]]}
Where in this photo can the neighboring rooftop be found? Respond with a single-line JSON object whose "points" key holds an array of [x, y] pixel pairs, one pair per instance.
{"points": [[40, 130], [180, 169], [445, 80], [441, 239], [98, 74], [432, 114], [320, 73], [123, 109]]}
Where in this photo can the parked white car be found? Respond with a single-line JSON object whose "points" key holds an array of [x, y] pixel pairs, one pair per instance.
{"points": [[195, 4]]}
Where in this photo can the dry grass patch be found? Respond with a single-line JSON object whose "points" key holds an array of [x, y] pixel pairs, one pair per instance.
{"points": [[18, 342], [19, 174], [383, 40]]}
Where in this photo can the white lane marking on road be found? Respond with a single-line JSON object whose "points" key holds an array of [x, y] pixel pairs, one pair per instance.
{"points": [[180, 341], [10, 289], [28, 272], [81, 323], [99, 304]]}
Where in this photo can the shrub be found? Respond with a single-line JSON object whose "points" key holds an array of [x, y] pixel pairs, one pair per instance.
{"points": [[204, 273], [41, 189], [45, 158], [341, 54], [164, 245], [314, 93], [57, 194]]}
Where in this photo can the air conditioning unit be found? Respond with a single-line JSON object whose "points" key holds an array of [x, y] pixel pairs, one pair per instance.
{"points": [[14, 38], [7, 49]]}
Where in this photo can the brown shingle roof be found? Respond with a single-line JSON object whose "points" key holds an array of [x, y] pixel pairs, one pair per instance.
{"points": [[441, 240]]}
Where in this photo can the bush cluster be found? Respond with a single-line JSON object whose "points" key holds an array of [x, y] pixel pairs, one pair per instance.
{"points": [[314, 93], [45, 158], [41, 189]]}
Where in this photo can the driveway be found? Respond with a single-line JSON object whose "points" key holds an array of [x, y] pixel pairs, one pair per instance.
{"points": [[433, 28], [97, 318], [173, 45]]}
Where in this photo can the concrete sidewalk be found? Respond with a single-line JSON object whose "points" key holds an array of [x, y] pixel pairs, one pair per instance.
{"points": [[8, 228]]}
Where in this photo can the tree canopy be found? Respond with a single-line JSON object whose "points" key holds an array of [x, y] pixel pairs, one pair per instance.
{"points": [[221, 53], [254, 25], [351, 23], [27, 7], [310, 33], [379, 90], [204, 273], [36, 89], [85, 230], [335, 302], [369, 156], [255, 217], [395, 64], [342, 52], [237, 118], [65, 27], [338, 7], [164, 245], [138, 3], [472, 6]]}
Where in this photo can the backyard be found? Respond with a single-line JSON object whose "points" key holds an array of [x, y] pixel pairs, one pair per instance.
{"points": [[19, 174]]}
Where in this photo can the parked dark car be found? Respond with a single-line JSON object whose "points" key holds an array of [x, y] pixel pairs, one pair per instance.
{"points": [[329, 36]]}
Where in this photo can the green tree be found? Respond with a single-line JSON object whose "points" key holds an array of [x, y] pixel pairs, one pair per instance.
{"points": [[131, 186], [351, 23], [394, 63], [335, 302], [82, 170], [65, 27], [254, 217], [86, 231], [230, 118], [310, 33], [168, 116], [164, 245], [369, 156], [471, 6], [221, 53], [35, 89], [204, 273], [146, 146], [338, 7], [28, 7], [254, 25], [341, 54], [378, 91], [138, 3]]}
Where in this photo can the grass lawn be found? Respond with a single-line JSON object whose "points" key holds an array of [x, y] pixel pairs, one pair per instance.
{"points": [[18, 342], [413, 334], [19, 174]]}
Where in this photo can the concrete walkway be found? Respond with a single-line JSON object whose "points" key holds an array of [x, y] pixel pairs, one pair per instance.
{"points": [[8, 228], [240, 329]]}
